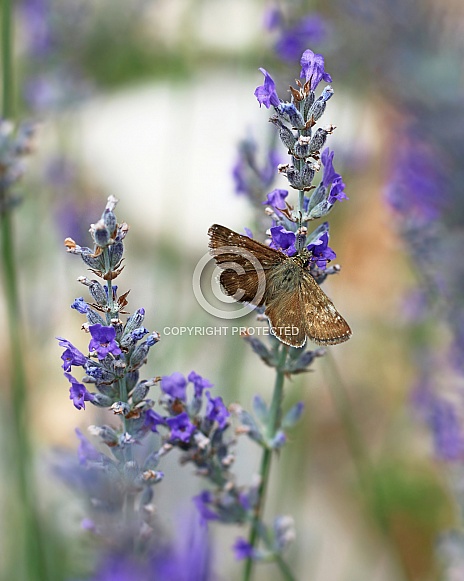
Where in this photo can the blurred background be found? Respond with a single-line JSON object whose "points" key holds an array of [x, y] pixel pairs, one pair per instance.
{"points": [[148, 101]]}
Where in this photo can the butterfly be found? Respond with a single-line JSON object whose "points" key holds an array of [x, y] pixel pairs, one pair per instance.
{"points": [[295, 304]]}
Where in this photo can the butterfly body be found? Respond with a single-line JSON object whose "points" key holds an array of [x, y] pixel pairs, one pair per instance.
{"points": [[295, 304]]}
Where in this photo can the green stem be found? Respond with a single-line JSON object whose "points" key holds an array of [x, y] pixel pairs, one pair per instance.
{"points": [[31, 553], [109, 287], [301, 201], [7, 60], [274, 422]]}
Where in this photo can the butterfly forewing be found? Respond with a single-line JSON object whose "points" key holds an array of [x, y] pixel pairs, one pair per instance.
{"points": [[244, 262], [295, 304], [324, 324]]}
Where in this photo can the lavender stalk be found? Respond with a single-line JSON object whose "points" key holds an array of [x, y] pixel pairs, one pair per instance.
{"points": [[119, 483], [289, 233], [272, 428], [14, 145]]}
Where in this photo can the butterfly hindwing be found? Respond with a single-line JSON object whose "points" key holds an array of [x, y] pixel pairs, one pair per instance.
{"points": [[286, 321]]}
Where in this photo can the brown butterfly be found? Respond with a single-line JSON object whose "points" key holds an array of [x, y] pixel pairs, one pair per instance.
{"points": [[296, 305]]}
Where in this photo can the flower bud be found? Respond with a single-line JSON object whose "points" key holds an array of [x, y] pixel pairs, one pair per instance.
{"points": [[293, 414], [100, 234], [307, 175], [260, 408], [98, 293], [141, 391], [109, 221], [285, 134], [139, 355], [308, 103], [289, 112], [115, 252], [102, 401], [284, 532], [132, 378], [111, 203], [318, 140], [278, 441], [318, 108], [94, 262], [105, 433], [249, 426], [301, 149], [134, 321]]}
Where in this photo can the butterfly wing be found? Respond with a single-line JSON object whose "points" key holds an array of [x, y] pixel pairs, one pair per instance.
{"points": [[286, 320], [244, 263], [324, 324], [296, 305], [283, 305]]}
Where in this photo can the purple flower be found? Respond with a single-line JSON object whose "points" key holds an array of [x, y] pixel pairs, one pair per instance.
{"points": [[103, 341], [216, 411], [294, 39], [248, 232], [457, 326], [87, 524], [153, 420], [272, 18], [139, 333], [202, 502], [244, 499], [441, 417], [321, 251], [312, 68], [284, 240], [266, 93], [37, 19], [80, 305], [331, 178], [240, 175], [78, 393], [416, 190], [174, 385], [447, 431], [189, 559], [276, 199], [199, 383], [242, 549], [181, 427], [269, 171], [329, 174], [337, 191], [71, 355], [86, 452], [250, 178]]}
